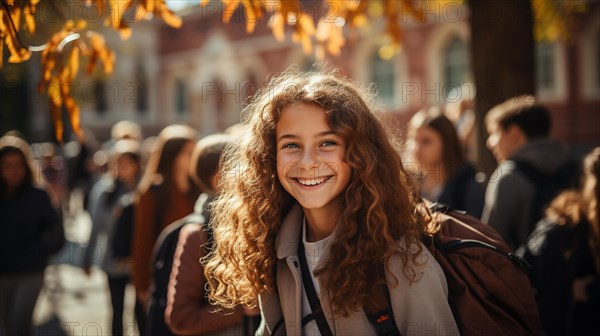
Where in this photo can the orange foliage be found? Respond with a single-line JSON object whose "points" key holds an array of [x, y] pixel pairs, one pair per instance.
{"points": [[323, 34]]}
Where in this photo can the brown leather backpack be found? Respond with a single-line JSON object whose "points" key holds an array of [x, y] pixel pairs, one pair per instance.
{"points": [[488, 287], [489, 290]]}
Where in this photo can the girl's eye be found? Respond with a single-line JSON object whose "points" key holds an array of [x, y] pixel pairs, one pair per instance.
{"points": [[290, 145], [328, 143]]}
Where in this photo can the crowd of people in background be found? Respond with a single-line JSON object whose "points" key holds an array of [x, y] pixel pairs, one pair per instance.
{"points": [[151, 202]]}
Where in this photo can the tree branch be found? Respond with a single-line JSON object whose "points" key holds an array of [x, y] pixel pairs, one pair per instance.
{"points": [[12, 24]]}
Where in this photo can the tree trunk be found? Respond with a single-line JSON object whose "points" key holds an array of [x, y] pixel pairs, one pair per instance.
{"points": [[502, 54]]}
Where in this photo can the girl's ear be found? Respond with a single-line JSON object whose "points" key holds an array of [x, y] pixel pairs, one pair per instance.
{"points": [[215, 182]]}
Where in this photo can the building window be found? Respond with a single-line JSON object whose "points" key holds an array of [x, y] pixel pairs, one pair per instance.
{"points": [[180, 97], [100, 97], [142, 90], [544, 66], [456, 64], [597, 63], [308, 64], [383, 76], [181, 4], [589, 59]]}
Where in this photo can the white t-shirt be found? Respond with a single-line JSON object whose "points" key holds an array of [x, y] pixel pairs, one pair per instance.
{"points": [[313, 252]]}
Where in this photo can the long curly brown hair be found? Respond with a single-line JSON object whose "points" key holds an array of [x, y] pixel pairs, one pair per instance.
{"points": [[380, 206]]}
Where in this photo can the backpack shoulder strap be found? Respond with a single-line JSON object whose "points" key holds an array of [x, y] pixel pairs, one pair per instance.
{"points": [[313, 299], [379, 312]]}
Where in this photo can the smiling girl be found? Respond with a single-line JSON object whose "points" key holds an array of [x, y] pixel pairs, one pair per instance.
{"points": [[318, 185]]}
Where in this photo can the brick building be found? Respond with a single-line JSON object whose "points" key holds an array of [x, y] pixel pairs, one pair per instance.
{"points": [[202, 73]]}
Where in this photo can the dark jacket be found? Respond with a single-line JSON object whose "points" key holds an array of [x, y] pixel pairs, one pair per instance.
{"points": [[559, 254], [30, 231], [463, 192], [510, 195], [162, 263], [104, 199]]}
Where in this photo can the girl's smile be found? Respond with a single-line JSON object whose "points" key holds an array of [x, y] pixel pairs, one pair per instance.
{"points": [[312, 182]]}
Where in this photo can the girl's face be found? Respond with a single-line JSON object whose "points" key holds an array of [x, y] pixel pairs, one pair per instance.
{"points": [[13, 170], [310, 163], [428, 146], [183, 159], [127, 169]]}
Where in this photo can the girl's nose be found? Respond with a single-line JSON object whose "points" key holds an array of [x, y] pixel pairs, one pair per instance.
{"points": [[309, 161]]}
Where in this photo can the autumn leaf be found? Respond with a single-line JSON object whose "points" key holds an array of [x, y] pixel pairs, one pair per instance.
{"points": [[61, 64], [55, 101], [29, 17], [324, 34], [230, 6], [277, 24], [71, 107], [253, 13], [170, 18], [73, 63]]}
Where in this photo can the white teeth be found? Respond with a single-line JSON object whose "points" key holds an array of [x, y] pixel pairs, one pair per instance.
{"points": [[311, 182]]}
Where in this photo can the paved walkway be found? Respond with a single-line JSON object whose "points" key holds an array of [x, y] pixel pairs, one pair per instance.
{"points": [[71, 303]]}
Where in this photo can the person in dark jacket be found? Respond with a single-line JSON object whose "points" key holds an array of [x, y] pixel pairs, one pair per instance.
{"points": [[519, 131], [446, 177], [30, 232], [564, 254]]}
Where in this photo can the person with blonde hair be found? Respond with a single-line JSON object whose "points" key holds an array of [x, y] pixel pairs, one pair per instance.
{"points": [[316, 212]]}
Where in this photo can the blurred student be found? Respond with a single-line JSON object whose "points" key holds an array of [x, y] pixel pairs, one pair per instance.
{"points": [[165, 194], [533, 168], [81, 170], [446, 176], [123, 130], [30, 232], [53, 171], [564, 252], [187, 311], [122, 178]]}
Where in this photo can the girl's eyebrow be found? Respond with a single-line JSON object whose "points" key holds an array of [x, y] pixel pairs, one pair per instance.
{"points": [[293, 136]]}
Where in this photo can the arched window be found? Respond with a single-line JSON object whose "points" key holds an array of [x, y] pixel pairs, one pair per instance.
{"points": [[308, 64], [180, 95], [456, 64], [597, 62], [181, 4], [100, 99], [544, 66], [383, 76], [141, 102], [589, 59]]}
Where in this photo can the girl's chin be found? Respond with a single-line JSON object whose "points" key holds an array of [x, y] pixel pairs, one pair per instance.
{"points": [[312, 205]]}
